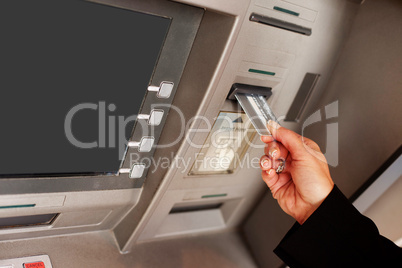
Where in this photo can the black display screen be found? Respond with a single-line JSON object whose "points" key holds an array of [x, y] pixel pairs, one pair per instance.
{"points": [[71, 63]]}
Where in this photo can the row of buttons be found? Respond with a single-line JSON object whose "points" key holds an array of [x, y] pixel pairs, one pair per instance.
{"points": [[154, 119]]}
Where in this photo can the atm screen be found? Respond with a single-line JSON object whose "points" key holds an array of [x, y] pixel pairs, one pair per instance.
{"points": [[73, 75]]}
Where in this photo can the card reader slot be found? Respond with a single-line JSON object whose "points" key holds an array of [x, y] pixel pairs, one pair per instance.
{"points": [[253, 100]]}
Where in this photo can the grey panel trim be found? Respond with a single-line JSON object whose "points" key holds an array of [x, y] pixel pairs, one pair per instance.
{"points": [[170, 66], [386, 180], [303, 95], [385, 176], [204, 58], [280, 24]]}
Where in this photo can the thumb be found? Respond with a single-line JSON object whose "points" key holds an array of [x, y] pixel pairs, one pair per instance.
{"points": [[291, 140]]}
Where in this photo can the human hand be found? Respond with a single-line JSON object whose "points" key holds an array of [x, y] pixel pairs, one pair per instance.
{"points": [[305, 182]]}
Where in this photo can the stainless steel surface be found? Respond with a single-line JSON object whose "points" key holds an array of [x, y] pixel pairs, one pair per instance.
{"points": [[98, 249], [302, 97], [203, 62]]}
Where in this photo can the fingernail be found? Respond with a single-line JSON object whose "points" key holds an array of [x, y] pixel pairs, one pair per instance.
{"points": [[265, 163], [273, 153], [273, 124], [270, 172]]}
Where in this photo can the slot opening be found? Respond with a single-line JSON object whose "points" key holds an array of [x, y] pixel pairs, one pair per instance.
{"points": [[28, 221], [280, 24], [194, 208]]}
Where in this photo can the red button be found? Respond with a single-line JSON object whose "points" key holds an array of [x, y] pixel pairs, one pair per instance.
{"points": [[38, 264]]}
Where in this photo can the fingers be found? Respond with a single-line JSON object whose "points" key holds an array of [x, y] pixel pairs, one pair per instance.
{"points": [[270, 177], [265, 163], [288, 138], [275, 182], [266, 139], [311, 144], [275, 150]]}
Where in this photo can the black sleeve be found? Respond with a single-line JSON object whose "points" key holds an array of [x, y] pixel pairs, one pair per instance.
{"points": [[337, 235]]}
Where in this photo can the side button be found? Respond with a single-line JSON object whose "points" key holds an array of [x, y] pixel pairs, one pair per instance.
{"points": [[164, 90], [137, 171], [155, 118]]}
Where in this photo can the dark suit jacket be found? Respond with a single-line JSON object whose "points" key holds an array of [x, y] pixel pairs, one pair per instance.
{"points": [[337, 235]]}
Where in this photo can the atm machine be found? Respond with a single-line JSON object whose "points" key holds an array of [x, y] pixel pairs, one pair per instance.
{"points": [[121, 146]]}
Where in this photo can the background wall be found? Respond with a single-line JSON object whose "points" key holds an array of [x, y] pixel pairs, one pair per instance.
{"points": [[386, 212], [367, 83]]}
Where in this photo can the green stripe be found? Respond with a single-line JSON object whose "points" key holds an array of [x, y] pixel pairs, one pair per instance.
{"points": [[261, 72], [18, 206], [286, 11], [213, 195]]}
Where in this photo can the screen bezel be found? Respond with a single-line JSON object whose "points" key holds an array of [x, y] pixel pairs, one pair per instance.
{"points": [[185, 21]]}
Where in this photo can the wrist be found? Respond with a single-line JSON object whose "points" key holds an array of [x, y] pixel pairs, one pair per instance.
{"points": [[302, 219], [313, 207]]}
